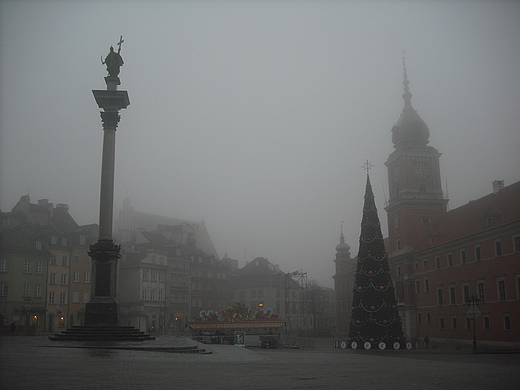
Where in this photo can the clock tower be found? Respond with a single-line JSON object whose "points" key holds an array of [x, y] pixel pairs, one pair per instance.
{"points": [[416, 199]]}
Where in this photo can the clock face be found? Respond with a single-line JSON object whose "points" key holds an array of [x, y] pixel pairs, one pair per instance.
{"points": [[420, 170]]}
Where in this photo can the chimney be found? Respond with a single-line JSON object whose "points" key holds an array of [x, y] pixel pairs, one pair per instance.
{"points": [[497, 185]]}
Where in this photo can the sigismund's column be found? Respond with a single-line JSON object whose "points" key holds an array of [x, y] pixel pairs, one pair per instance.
{"points": [[102, 308]]}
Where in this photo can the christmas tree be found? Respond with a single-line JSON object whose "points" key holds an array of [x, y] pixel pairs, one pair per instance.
{"points": [[374, 321]]}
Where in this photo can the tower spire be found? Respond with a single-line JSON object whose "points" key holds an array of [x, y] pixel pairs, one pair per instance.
{"points": [[410, 130], [407, 95]]}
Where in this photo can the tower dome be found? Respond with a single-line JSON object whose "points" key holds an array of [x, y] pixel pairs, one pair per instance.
{"points": [[410, 129], [342, 247]]}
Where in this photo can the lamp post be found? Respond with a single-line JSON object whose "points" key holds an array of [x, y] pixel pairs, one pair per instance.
{"points": [[473, 302]]}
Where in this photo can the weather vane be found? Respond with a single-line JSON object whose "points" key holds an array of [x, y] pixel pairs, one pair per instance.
{"points": [[367, 166]]}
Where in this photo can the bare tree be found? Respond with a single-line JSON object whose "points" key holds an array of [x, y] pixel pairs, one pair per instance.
{"points": [[316, 301]]}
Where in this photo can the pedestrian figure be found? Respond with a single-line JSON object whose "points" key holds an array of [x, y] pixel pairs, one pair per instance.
{"points": [[12, 328], [426, 341]]}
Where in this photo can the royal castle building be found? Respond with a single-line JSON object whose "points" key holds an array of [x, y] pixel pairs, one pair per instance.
{"points": [[456, 273]]}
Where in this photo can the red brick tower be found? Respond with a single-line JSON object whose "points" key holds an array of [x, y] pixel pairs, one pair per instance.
{"points": [[416, 200]]}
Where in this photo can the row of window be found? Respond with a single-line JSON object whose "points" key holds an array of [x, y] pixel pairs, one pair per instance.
{"points": [[27, 290], [463, 258], [54, 240], [152, 295], [76, 277], [486, 322], [28, 264], [151, 274], [465, 293]]}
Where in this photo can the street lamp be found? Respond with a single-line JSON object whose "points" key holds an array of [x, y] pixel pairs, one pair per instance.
{"points": [[473, 301]]}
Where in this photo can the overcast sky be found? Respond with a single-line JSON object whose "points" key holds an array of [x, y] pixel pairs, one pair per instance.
{"points": [[256, 116]]}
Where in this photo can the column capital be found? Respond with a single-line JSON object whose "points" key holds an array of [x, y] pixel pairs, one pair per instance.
{"points": [[110, 119]]}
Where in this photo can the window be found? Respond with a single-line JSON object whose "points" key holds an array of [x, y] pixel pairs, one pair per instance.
{"points": [[450, 260], [426, 284], [54, 240], [486, 323], [161, 295], [144, 295], [75, 297], [26, 289], [507, 321], [82, 239], [153, 295], [65, 260], [416, 265], [501, 284], [453, 299], [53, 259], [516, 243], [440, 300], [498, 248], [398, 243], [63, 279], [441, 322], [37, 290], [86, 296], [454, 322], [417, 286], [39, 267], [398, 270], [425, 263], [478, 255], [463, 256], [161, 275], [86, 277], [465, 292], [3, 289], [480, 291], [438, 262], [153, 274], [468, 323], [63, 298], [76, 276], [428, 317], [145, 274], [3, 265], [425, 220], [39, 245], [419, 317], [76, 257], [52, 278], [27, 267], [52, 297]]}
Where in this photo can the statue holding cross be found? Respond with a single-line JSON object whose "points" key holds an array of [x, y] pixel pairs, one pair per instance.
{"points": [[113, 60]]}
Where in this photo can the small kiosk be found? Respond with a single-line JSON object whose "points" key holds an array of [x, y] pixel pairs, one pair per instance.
{"points": [[239, 326]]}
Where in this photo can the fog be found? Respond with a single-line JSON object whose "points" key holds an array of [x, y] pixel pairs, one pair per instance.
{"points": [[255, 116]]}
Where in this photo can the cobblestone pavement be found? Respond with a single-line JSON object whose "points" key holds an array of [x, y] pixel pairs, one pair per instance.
{"points": [[36, 363]]}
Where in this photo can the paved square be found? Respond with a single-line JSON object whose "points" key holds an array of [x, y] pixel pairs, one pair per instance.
{"points": [[36, 363]]}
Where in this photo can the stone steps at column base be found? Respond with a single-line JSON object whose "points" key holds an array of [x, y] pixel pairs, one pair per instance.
{"points": [[101, 333]]}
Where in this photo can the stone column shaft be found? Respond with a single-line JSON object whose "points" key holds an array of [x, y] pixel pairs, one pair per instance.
{"points": [[106, 204]]}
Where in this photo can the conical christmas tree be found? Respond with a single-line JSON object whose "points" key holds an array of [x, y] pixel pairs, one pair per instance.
{"points": [[374, 321]]}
